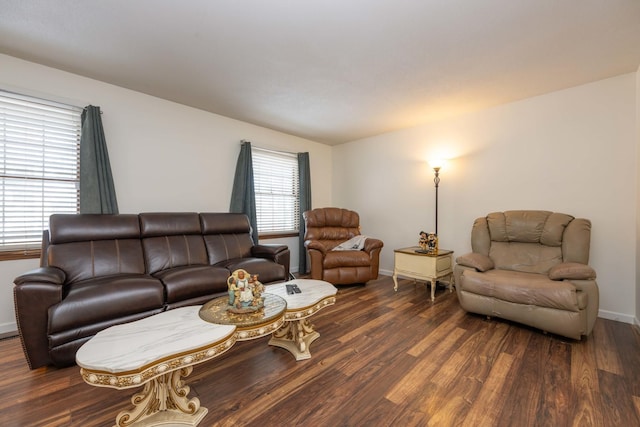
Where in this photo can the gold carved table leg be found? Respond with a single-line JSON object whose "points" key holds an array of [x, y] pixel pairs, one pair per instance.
{"points": [[295, 336], [163, 401]]}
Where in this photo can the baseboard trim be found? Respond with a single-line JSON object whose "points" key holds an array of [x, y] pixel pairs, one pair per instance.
{"points": [[386, 272], [618, 317], [9, 329]]}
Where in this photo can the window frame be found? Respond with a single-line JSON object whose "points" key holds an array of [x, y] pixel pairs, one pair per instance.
{"points": [[39, 144], [282, 191]]}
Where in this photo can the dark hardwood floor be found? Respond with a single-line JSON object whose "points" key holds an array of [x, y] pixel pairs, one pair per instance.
{"points": [[383, 358]]}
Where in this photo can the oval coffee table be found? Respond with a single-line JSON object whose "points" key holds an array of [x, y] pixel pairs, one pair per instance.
{"points": [[157, 352]]}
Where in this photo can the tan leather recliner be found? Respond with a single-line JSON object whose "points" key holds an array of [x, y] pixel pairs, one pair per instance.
{"points": [[531, 267], [328, 228]]}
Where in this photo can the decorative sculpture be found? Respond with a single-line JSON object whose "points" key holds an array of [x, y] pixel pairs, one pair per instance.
{"points": [[423, 241], [432, 244], [428, 243], [245, 292]]}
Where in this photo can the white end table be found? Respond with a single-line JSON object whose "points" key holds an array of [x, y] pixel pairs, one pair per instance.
{"points": [[157, 352], [421, 266]]}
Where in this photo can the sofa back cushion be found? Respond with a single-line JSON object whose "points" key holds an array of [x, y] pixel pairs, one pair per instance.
{"points": [[86, 246], [226, 236], [527, 241], [332, 226], [171, 240]]}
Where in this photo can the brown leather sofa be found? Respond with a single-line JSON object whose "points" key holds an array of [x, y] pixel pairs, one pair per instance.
{"points": [[327, 228], [101, 270], [531, 267]]}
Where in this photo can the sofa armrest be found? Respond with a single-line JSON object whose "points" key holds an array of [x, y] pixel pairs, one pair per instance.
{"points": [[34, 292], [477, 261], [268, 250], [572, 271], [50, 275], [277, 253]]}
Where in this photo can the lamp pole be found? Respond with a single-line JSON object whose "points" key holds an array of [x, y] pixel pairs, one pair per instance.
{"points": [[436, 181]]}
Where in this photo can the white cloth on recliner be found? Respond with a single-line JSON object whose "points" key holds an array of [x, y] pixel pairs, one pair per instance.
{"points": [[354, 244]]}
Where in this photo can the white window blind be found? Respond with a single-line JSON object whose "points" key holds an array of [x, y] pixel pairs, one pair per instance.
{"points": [[275, 176], [39, 167]]}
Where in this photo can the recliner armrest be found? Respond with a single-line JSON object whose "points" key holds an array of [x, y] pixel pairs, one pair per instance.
{"points": [[316, 245], [475, 260], [572, 271], [370, 244]]}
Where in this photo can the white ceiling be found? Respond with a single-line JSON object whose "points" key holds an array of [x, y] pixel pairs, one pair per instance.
{"points": [[330, 70]]}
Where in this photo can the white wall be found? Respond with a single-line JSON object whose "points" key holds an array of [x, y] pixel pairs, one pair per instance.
{"points": [[164, 156], [637, 319], [571, 151]]}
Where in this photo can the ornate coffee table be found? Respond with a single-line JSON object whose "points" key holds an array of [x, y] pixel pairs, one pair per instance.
{"points": [[297, 333], [157, 352]]}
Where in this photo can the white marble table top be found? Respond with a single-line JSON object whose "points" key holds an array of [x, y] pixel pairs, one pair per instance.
{"points": [[311, 292], [133, 346]]}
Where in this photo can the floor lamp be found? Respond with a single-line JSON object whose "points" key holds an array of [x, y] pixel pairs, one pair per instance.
{"points": [[436, 181]]}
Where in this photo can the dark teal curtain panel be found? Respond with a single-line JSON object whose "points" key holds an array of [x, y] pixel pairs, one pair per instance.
{"points": [[304, 175], [243, 195], [97, 192]]}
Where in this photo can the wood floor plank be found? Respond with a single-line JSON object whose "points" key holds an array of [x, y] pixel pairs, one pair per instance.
{"points": [[422, 371], [556, 389], [626, 341], [606, 357], [429, 339], [585, 384], [383, 358], [636, 403], [618, 408], [486, 409]]}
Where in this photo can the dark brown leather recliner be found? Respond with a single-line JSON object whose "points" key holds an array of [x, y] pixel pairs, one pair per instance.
{"points": [[328, 228]]}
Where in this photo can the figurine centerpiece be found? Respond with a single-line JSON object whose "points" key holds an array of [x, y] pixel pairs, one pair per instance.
{"points": [[245, 292], [432, 244], [428, 243], [423, 241]]}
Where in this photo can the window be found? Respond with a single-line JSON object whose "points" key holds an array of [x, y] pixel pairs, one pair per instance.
{"points": [[39, 169], [275, 177]]}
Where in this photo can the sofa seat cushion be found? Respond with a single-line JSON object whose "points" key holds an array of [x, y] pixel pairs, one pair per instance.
{"points": [[524, 288], [335, 259], [74, 338], [101, 299], [187, 282], [267, 270]]}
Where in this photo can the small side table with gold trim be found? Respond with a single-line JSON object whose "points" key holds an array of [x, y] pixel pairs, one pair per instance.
{"points": [[421, 266]]}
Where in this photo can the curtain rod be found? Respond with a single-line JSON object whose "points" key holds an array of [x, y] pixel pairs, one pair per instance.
{"points": [[270, 150], [85, 109], [38, 99]]}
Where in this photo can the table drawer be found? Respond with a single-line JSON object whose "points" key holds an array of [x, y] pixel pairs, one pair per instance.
{"points": [[421, 265]]}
